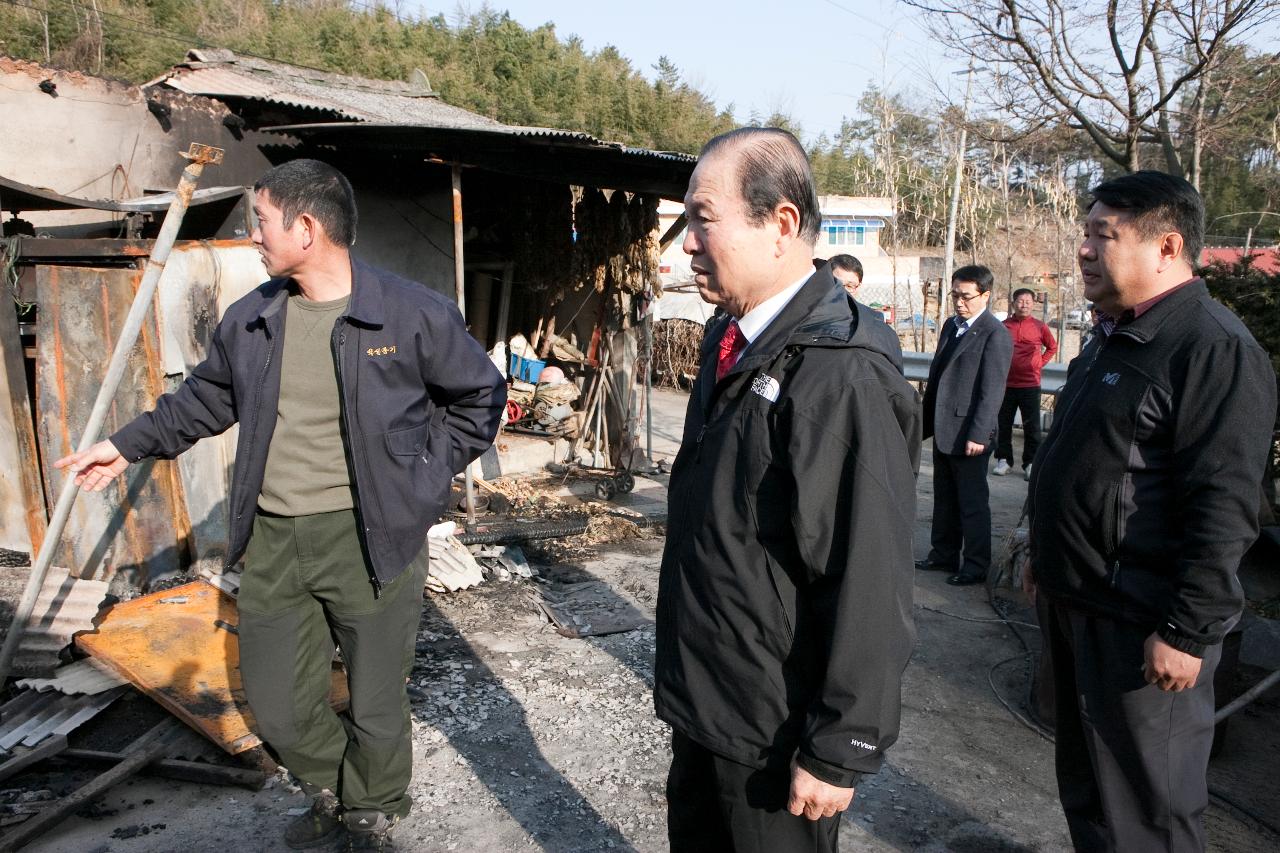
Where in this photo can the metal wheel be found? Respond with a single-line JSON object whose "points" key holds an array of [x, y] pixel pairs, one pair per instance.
{"points": [[604, 489], [625, 481]]}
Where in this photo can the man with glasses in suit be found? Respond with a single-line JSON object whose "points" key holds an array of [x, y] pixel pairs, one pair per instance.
{"points": [[847, 271], [961, 403]]}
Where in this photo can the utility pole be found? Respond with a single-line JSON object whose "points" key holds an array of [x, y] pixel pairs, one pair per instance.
{"points": [[948, 262]]}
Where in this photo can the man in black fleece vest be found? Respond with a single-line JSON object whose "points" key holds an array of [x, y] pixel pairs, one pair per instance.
{"points": [[1143, 499]]}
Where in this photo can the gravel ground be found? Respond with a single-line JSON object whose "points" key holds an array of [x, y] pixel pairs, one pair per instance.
{"points": [[529, 740]]}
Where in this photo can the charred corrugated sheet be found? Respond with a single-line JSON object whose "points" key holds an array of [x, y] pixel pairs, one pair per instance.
{"points": [[82, 677], [30, 717], [66, 605]]}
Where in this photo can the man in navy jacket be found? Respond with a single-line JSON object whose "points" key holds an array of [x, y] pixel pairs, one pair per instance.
{"points": [[961, 405], [359, 395]]}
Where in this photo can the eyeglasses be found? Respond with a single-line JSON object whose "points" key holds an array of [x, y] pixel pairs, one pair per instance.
{"points": [[964, 297]]}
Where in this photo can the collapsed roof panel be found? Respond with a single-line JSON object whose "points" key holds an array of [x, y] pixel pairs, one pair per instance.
{"points": [[16, 196]]}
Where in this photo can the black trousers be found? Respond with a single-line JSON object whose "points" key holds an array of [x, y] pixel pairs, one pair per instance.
{"points": [[715, 805], [1131, 758], [1027, 401], [961, 513]]}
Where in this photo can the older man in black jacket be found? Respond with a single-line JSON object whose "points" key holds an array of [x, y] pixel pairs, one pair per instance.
{"points": [[784, 605], [961, 407], [1143, 499], [359, 395]]}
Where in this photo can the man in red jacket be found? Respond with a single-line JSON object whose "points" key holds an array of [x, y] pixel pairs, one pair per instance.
{"points": [[1033, 347]]}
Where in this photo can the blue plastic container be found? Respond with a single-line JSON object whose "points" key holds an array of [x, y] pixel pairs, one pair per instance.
{"points": [[528, 369]]}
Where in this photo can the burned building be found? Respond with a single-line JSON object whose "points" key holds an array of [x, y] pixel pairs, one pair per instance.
{"points": [[544, 232]]}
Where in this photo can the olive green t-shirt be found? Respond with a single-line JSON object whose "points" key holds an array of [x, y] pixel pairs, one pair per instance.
{"points": [[306, 467]]}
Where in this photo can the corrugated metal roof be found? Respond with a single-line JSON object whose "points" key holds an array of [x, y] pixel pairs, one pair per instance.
{"points": [[542, 153], [673, 156], [86, 676], [545, 133], [496, 130], [231, 83], [353, 98], [65, 605], [30, 717], [358, 99]]}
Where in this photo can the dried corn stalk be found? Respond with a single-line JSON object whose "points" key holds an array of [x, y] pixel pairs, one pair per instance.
{"points": [[676, 344], [540, 220], [617, 241]]}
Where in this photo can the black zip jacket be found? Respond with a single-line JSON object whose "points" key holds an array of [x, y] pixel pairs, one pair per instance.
{"points": [[784, 605], [420, 401], [1145, 494]]}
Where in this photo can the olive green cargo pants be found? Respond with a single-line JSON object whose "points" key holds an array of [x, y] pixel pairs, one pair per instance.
{"points": [[305, 588]]}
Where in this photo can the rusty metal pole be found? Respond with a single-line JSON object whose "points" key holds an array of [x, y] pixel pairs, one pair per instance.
{"points": [[200, 156], [460, 294]]}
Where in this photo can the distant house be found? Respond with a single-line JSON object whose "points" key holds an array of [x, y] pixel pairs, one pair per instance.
{"points": [[1265, 260], [850, 225]]}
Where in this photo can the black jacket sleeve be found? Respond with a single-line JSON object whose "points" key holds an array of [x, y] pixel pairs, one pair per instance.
{"points": [[202, 406], [853, 512], [467, 389], [1224, 415]]}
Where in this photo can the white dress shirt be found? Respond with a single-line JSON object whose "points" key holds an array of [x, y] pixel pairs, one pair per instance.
{"points": [[753, 323], [962, 326]]}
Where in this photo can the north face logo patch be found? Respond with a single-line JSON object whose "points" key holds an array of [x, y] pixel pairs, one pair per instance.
{"points": [[766, 386]]}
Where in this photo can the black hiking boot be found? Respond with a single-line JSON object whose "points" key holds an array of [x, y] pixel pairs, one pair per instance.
{"points": [[318, 826], [369, 829]]}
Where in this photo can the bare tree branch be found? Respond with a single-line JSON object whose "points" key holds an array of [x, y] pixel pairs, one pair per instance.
{"points": [[1142, 83]]}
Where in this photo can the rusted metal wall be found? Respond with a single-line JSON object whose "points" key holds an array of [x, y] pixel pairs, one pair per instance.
{"points": [[200, 281], [22, 514], [165, 516], [139, 524]]}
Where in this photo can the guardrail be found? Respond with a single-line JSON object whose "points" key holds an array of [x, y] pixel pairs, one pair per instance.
{"points": [[916, 367]]}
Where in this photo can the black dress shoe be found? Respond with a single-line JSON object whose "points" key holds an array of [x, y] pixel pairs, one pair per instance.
{"points": [[965, 580], [926, 566]]}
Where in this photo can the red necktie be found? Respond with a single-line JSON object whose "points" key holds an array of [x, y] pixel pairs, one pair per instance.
{"points": [[731, 344]]}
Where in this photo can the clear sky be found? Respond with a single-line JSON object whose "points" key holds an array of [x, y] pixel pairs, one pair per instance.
{"points": [[811, 59]]}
